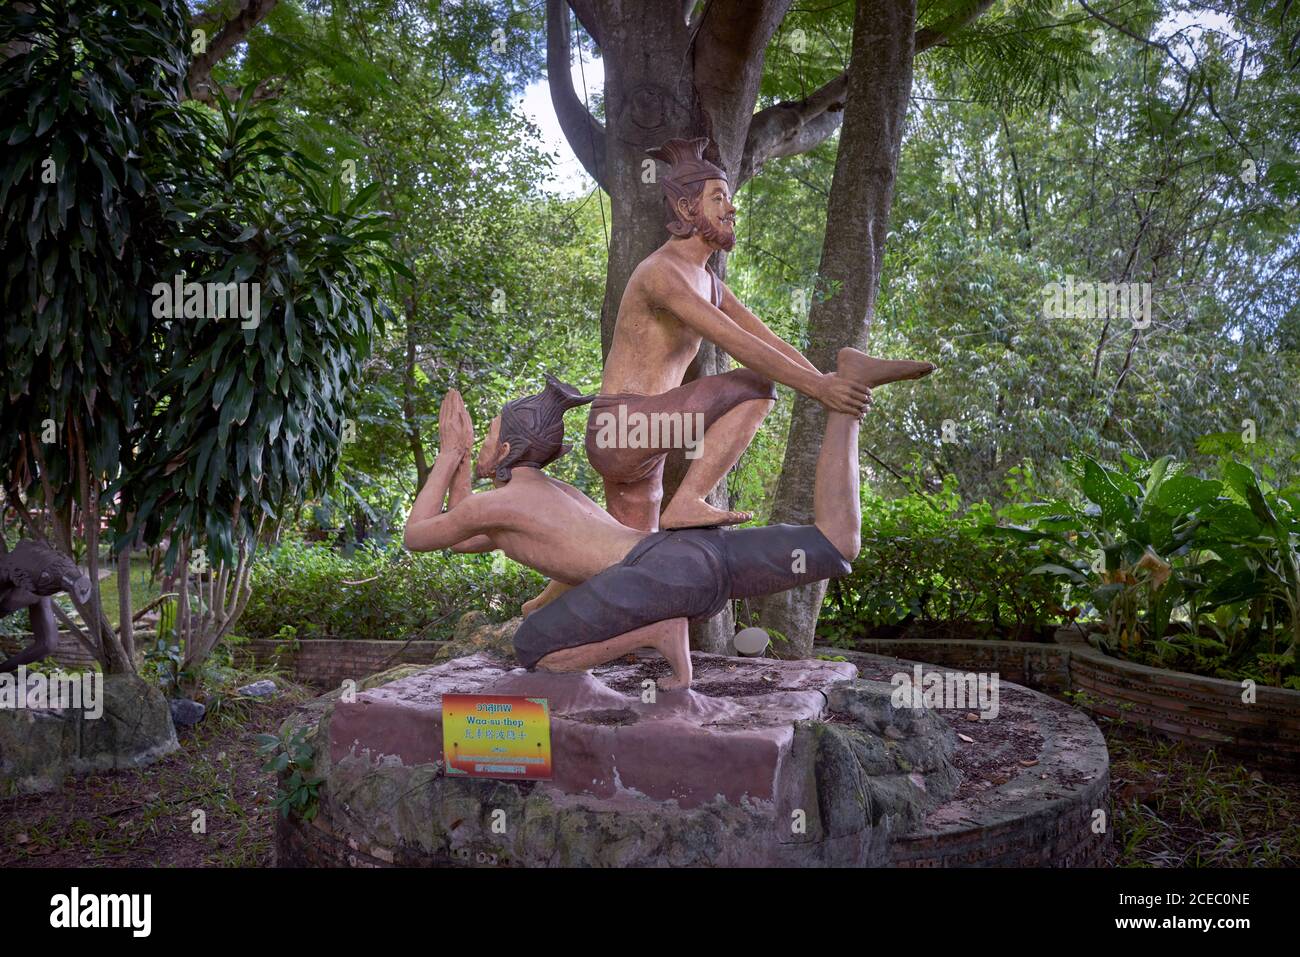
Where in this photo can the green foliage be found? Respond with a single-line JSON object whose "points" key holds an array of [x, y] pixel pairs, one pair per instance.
{"points": [[505, 281], [290, 756], [1126, 172], [1018, 53], [379, 593], [167, 619], [90, 120], [256, 408], [926, 559], [1185, 571], [111, 189], [163, 663]]}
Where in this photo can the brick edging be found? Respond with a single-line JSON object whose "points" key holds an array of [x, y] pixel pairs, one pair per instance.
{"points": [[328, 662]]}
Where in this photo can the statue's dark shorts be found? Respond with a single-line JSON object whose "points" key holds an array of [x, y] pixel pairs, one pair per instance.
{"points": [[681, 573], [712, 396]]}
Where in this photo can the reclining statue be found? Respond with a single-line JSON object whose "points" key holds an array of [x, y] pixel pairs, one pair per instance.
{"points": [[628, 588], [29, 575]]}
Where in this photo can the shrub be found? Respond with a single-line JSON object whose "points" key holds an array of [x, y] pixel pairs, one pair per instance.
{"points": [[1186, 572], [924, 559], [379, 593]]}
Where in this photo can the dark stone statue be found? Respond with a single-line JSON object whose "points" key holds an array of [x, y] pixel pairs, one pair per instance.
{"points": [[29, 575]]}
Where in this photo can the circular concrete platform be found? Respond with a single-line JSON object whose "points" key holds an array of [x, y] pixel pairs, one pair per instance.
{"points": [[763, 763]]}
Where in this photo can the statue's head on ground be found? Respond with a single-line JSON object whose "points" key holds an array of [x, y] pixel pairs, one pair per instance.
{"points": [[529, 432], [697, 197]]}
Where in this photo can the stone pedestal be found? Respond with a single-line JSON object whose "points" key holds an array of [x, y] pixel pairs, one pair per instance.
{"points": [[763, 763], [750, 767]]}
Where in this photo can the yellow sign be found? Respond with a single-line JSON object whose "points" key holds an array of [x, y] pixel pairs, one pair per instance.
{"points": [[496, 736]]}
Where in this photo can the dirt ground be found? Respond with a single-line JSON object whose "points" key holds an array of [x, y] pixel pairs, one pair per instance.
{"points": [[207, 804], [1173, 806]]}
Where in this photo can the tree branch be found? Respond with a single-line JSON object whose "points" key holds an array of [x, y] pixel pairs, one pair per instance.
{"points": [[77, 633], [585, 11], [586, 136], [237, 28], [942, 31], [791, 128]]}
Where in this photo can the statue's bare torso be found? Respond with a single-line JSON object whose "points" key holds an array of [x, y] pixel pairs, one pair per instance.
{"points": [[548, 525], [652, 347]]}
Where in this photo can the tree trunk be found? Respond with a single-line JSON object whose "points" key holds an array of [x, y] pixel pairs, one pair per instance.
{"points": [[664, 78], [879, 86]]}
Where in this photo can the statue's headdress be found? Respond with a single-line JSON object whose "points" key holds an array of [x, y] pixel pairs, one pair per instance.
{"points": [[688, 171], [534, 426]]}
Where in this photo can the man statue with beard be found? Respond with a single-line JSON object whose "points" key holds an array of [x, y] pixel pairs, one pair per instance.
{"points": [[674, 301], [625, 588]]}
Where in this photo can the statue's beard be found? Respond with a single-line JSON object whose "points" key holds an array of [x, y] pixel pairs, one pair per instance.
{"points": [[715, 236]]}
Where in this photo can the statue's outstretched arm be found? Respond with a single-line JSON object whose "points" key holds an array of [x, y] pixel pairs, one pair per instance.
{"points": [[739, 313], [674, 293]]}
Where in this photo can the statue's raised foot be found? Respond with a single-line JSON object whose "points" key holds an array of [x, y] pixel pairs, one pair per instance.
{"points": [[697, 513], [871, 372]]}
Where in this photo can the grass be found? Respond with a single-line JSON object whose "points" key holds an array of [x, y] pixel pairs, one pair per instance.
{"points": [[1178, 806]]}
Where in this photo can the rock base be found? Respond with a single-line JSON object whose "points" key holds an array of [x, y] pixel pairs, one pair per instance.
{"points": [[39, 747], [749, 768], [763, 763]]}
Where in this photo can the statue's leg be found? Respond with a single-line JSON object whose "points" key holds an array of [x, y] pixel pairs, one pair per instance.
{"points": [[767, 560], [670, 638], [45, 634], [552, 591], [872, 373], [633, 477], [645, 601], [636, 504], [837, 511], [731, 406]]}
